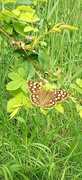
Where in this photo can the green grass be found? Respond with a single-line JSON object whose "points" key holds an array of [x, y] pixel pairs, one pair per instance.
{"points": [[32, 145]]}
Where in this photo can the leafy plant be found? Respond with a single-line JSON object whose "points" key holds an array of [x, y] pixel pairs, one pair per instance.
{"points": [[29, 52], [39, 143]]}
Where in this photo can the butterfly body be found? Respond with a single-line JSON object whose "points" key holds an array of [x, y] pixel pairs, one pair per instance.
{"points": [[45, 98]]}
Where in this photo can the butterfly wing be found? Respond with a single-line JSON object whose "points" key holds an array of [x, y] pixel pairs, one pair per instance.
{"points": [[48, 102], [54, 97], [38, 98], [42, 97], [59, 95], [34, 87], [38, 93]]}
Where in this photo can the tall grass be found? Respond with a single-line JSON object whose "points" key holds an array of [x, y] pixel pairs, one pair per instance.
{"points": [[37, 146]]}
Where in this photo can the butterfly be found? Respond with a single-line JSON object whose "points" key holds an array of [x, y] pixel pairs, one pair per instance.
{"points": [[45, 98]]}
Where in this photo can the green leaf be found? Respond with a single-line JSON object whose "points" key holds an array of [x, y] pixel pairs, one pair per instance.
{"points": [[14, 76], [79, 90], [8, 13], [28, 28], [27, 102], [24, 17], [14, 112], [18, 62], [26, 8], [16, 167], [80, 113], [19, 27], [30, 14], [68, 27], [13, 85], [79, 107], [14, 102], [35, 29], [20, 119], [2, 17], [43, 43], [79, 82], [49, 86], [56, 29], [44, 111], [35, 18], [15, 92], [24, 2], [16, 12], [44, 59], [59, 108], [21, 72], [9, 1], [73, 86], [57, 25], [9, 29], [24, 86], [29, 69]]}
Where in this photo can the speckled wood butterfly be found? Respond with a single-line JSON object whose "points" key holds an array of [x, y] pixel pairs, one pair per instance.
{"points": [[45, 98]]}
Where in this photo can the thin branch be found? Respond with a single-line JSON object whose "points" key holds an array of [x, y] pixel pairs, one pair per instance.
{"points": [[20, 45]]}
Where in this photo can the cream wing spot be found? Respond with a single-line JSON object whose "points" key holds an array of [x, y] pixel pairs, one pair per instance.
{"points": [[50, 100], [56, 98], [33, 95], [35, 83], [34, 91], [30, 84], [61, 92], [62, 95]]}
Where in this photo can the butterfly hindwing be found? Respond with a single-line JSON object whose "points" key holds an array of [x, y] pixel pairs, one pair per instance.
{"points": [[59, 95]]}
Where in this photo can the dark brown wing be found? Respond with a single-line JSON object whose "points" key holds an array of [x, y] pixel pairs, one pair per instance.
{"points": [[54, 97], [49, 102], [59, 95], [34, 87], [38, 93]]}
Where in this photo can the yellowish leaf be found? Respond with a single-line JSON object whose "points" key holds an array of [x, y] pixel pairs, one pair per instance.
{"points": [[59, 108], [43, 111], [68, 27], [80, 113], [14, 112]]}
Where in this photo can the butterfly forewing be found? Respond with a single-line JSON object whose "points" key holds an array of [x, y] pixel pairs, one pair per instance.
{"points": [[38, 98], [59, 95], [45, 98], [34, 87], [38, 93]]}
